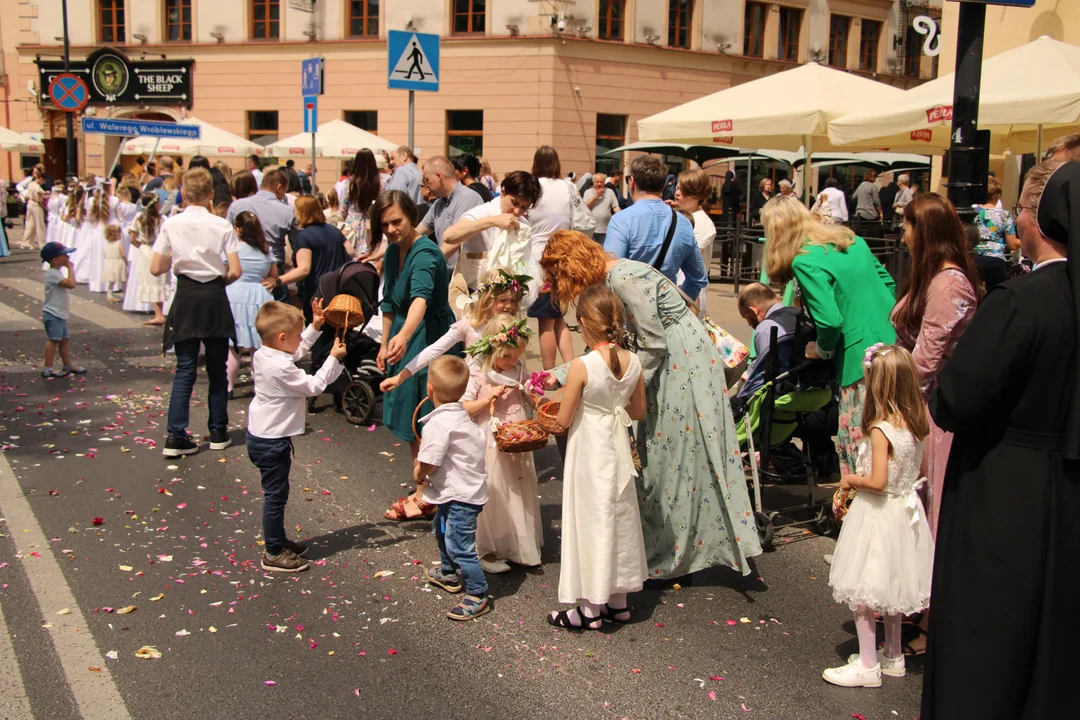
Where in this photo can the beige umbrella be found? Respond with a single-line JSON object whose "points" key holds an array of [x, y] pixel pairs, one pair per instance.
{"points": [[335, 139], [212, 142], [1024, 91], [17, 142], [785, 111]]}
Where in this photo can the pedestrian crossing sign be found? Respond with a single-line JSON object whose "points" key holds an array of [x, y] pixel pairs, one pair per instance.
{"points": [[412, 61]]}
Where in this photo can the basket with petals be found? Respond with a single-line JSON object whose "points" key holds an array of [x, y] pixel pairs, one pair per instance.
{"points": [[518, 435], [841, 502], [547, 415], [344, 312]]}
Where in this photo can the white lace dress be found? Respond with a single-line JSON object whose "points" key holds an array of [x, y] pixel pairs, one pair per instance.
{"points": [[885, 555]]}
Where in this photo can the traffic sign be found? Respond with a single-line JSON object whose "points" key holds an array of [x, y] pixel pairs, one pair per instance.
{"points": [[136, 128], [311, 113], [311, 76], [69, 92], [412, 61]]}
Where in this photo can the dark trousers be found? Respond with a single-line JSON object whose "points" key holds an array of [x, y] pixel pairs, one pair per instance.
{"points": [[281, 292], [992, 270], [187, 370], [273, 457]]}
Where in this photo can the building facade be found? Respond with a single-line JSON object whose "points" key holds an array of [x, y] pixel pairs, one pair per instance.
{"points": [[515, 74]]}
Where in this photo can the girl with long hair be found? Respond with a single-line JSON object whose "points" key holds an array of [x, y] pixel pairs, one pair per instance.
{"points": [[361, 189], [100, 214], [153, 289], [247, 295]]}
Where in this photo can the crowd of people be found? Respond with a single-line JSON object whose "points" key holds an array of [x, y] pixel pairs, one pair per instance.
{"points": [[961, 377]]}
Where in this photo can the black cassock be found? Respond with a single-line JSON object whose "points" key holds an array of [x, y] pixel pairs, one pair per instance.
{"points": [[1004, 637]]}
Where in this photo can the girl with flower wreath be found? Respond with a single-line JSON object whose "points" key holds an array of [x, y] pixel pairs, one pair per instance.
{"points": [[499, 294], [509, 529]]}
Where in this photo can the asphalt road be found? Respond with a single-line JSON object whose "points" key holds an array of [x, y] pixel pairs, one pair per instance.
{"points": [[360, 634]]}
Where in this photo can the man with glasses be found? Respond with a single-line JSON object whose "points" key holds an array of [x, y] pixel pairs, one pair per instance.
{"points": [[477, 230]]}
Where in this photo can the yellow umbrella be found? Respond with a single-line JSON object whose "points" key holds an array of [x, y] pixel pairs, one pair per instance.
{"points": [[1024, 91]]}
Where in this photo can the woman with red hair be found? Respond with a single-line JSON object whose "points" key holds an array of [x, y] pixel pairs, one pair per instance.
{"points": [[695, 510]]}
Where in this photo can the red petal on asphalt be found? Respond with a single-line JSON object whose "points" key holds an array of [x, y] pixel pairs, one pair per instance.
{"points": [[391, 651], [98, 520]]}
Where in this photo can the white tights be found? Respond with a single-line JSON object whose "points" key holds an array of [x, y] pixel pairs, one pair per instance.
{"points": [[867, 631]]}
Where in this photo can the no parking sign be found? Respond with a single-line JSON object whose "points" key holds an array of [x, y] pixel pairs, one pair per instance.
{"points": [[69, 92]]}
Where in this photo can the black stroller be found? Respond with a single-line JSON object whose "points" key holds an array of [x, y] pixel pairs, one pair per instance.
{"points": [[356, 390]]}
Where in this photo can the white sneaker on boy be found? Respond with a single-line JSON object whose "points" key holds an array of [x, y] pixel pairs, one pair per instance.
{"points": [[854, 675]]}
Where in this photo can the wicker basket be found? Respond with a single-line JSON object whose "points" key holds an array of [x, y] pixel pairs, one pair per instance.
{"points": [[841, 502], [344, 312], [547, 414], [519, 435]]}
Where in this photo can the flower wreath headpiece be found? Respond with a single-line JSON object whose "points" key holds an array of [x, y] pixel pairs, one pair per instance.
{"points": [[868, 357], [505, 282], [516, 335]]}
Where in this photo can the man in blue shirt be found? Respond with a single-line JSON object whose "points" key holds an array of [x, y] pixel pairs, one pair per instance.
{"points": [[407, 177], [275, 216], [638, 232]]}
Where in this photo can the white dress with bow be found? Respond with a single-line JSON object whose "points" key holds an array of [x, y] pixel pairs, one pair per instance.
{"points": [[603, 551]]}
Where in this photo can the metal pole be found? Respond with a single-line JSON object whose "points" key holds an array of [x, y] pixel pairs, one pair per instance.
{"points": [[154, 151], [69, 120], [807, 150], [963, 184], [412, 115], [1039, 145], [116, 159], [313, 134]]}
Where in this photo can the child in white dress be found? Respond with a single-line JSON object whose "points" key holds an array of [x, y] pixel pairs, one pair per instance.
{"points": [[144, 230], [884, 557], [603, 550], [114, 271], [509, 529]]}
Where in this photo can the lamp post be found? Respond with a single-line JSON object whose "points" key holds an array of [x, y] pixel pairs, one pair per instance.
{"points": [[69, 120]]}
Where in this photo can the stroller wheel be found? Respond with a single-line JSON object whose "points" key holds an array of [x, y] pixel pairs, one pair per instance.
{"points": [[764, 530], [357, 402]]}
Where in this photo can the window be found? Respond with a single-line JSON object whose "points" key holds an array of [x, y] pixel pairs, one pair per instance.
{"points": [[790, 28], [839, 30], [610, 134], [363, 119], [111, 21], [868, 45], [611, 19], [913, 42], [754, 30], [678, 33], [469, 17], [262, 126], [464, 132], [364, 18], [178, 20], [265, 20]]}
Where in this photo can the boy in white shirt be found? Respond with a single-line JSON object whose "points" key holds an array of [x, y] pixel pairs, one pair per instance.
{"points": [[277, 414], [54, 313], [452, 460]]}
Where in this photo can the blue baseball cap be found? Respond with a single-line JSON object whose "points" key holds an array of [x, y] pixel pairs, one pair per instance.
{"points": [[53, 250]]}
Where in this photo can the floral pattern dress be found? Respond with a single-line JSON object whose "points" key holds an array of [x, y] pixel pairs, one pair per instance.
{"points": [[950, 306], [695, 508]]}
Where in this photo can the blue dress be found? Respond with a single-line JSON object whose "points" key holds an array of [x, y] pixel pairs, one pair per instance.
{"points": [[247, 295], [4, 249]]}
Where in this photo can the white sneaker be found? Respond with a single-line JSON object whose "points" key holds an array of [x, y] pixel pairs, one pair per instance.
{"points": [[828, 558], [893, 667], [498, 567], [854, 675]]}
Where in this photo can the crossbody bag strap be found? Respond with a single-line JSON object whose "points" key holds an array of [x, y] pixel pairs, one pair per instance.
{"points": [[667, 240]]}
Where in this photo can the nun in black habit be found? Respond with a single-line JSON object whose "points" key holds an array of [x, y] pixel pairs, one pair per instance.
{"points": [[1004, 638]]}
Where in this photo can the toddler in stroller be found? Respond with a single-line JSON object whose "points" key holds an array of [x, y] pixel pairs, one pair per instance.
{"points": [[356, 391]]}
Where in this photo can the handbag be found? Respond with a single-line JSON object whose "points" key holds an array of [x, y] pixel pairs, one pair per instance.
{"points": [[732, 351], [580, 217]]}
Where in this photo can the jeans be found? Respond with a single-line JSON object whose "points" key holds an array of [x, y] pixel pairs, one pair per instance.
{"points": [[273, 457], [281, 292], [187, 369], [455, 532]]}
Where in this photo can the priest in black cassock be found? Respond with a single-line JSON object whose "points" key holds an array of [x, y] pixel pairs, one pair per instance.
{"points": [[1004, 640]]}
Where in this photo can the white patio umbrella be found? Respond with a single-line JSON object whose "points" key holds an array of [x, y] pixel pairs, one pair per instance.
{"points": [[1025, 90], [17, 142], [212, 142], [785, 111], [335, 139]]}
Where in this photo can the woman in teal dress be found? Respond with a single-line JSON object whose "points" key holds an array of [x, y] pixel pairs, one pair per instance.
{"points": [[415, 306], [695, 509]]}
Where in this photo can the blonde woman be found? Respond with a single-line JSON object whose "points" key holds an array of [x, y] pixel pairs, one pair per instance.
{"points": [[846, 292]]}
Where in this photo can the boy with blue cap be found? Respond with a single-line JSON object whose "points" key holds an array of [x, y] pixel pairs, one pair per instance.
{"points": [[54, 313]]}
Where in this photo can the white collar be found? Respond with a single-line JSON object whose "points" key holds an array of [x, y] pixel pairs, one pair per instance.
{"points": [[1051, 261], [275, 353]]}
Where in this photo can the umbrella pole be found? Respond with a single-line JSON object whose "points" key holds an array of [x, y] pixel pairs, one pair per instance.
{"points": [[154, 151], [749, 184], [1038, 144], [123, 140], [807, 142]]}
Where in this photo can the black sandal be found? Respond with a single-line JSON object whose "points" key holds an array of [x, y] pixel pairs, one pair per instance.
{"points": [[609, 613], [562, 620]]}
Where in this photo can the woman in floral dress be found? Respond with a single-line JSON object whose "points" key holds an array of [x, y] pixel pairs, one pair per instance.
{"points": [[695, 509]]}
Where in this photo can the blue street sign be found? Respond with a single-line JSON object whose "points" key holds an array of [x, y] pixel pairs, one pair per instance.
{"points": [[311, 76], [136, 128], [412, 61], [311, 113]]}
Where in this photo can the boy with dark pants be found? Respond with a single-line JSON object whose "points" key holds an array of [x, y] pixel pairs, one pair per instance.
{"points": [[54, 313], [452, 459], [277, 414]]}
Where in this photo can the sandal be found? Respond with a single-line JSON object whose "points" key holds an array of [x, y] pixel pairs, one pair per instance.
{"points": [[397, 510], [409, 508], [910, 651], [609, 614], [471, 607], [562, 620]]}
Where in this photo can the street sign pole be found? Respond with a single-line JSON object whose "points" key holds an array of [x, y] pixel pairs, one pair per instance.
{"points": [[412, 118], [311, 86], [966, 155], [69, 120]]}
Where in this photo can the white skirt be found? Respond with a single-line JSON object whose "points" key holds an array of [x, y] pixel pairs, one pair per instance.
{"points": [[884, 558]]}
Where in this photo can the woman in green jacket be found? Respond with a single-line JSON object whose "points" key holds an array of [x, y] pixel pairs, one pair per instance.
{"points": [[845, 291]]}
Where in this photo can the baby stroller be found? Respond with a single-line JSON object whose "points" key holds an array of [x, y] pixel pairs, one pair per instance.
{"points": [[773, 415], [356, 390]]}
